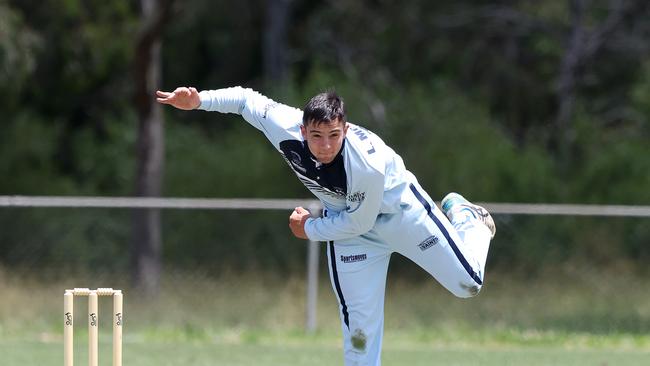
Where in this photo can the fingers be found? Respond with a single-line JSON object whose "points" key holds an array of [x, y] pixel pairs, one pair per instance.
{"points": [[163, 97], [185, 91], [298, 214], [180, 90]]}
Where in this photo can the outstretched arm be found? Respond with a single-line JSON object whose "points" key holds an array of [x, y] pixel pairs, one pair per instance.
{"points": [[274, 119], [181, 98]]}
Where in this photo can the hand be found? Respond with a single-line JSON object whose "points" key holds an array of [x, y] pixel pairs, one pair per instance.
{"points": [[297, 222], [181, 98]]}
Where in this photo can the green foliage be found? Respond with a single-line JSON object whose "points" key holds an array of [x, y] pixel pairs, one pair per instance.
{"points": [[640, 95], [18, 48], [238, 163], [27, 151], [451, 144], [447, 140], [105, 164], [466, 93]]}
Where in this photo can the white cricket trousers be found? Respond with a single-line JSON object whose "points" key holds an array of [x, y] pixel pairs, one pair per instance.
{"points": [[420, 232]]}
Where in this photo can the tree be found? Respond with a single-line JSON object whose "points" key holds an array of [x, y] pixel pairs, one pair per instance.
{"points": [[147, 237], [275, 40], [582, 46]]}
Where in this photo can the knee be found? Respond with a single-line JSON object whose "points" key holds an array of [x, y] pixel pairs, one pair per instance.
{"points": [[466, 291], [361, 348], [359, 340]]}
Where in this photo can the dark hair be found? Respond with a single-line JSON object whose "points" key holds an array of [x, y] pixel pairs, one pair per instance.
{"points": [[324, 107]]}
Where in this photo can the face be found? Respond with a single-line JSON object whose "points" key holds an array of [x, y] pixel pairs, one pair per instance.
{"points": [[325, 139]]}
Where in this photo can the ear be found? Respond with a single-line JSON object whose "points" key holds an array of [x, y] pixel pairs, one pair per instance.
{"points": [[303, 131], [345, 129]]}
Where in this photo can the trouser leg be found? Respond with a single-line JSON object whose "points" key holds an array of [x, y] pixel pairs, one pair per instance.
{"points": [[358, 276], [423, 234]]}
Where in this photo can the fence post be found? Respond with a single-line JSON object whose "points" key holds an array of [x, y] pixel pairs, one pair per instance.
{"points": [[313, 251]]}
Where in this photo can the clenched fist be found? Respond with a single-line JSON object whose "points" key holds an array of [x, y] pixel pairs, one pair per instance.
{"points": [[297, 222]]}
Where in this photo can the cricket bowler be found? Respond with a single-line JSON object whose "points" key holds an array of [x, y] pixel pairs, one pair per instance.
{"points": [[373, 206]]}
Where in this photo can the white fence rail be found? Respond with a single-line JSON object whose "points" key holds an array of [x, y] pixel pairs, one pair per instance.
{"points": [[289, 204]]}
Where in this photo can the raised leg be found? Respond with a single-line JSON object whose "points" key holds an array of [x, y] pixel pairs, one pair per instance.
{"points": [[422, 233]]}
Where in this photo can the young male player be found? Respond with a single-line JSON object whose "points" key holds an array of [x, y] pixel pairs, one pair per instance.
{"points": [[373, 207]]}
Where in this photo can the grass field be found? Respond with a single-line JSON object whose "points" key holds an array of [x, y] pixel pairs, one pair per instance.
{"points": [[255, 320], [281, 348]]}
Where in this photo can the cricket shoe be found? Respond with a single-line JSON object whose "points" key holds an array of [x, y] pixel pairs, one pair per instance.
{"points": [[456, 205]]}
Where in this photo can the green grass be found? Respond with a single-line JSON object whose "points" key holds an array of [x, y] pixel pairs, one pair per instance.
{"points": [[293, 348], [567, 317]]}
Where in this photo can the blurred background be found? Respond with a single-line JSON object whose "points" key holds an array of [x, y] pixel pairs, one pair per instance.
{"points": [[505, 101]]}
